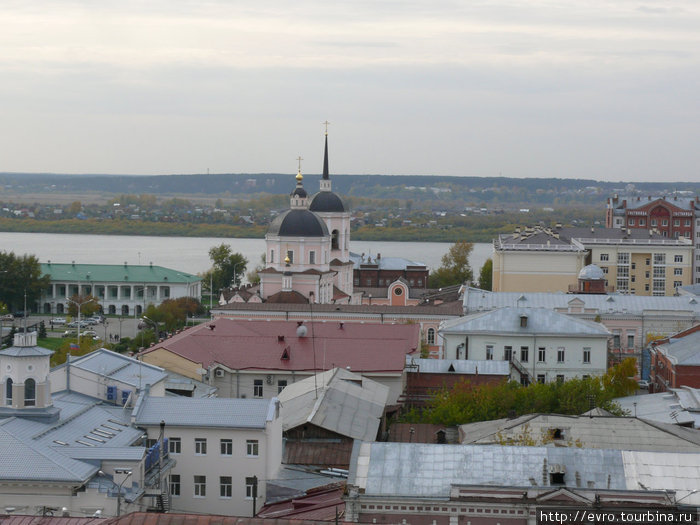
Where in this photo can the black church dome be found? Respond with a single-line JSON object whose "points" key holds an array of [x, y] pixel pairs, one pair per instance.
{"points": [[326, 201], [298, 223]]}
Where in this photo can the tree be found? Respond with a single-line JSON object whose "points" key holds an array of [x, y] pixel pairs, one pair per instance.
{"points": [[88, 305], [455, 267], [486, 275], [253, 276], [228, 268], [20, 275]]}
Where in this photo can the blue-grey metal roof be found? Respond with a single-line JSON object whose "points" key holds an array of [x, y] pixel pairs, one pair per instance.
{"points": [[476, 300], [425, 470], [684, 350], [203, 412], [119, 367], [459, 366], [26, 351], [32, 450], [507, 321]]}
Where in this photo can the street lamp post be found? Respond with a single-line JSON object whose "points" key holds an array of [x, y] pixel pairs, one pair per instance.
{"points": [[119, 490], [236, 265], [79, 306]]}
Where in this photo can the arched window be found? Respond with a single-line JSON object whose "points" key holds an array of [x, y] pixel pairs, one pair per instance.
{"points": [[431, 336], [272, 256], [112, 309], [125, 309], [334, 240], [29, 393], [8, 391], [59, 308]]}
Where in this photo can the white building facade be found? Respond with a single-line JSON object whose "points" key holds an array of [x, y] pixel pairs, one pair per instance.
{"points": [[541, 345]]}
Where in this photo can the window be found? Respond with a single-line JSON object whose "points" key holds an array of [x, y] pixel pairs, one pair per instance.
{"points": [[272, 256], [507, 353], [200, 486], [560, 378], [646, 287], [290, 255], [659, 258], [623, 258], [676, 222], [630, 340], [431, 336], [29, 392], [646, 275], [616, 340], [634, 265], [642, 222], [541, 378], [678, 258], [8, 391], [659, 272], [251, 487], [524, 351], [605, 269], [174, 445], [312, 257], [258, 388], [664, 222], [676, 284], [226, 447], [200, 446], [225, 486], [604, 257], [489, 352], [251, 446], [541, 354], [560, 354], [686, 222], [586, 355], [647, 261], [623, 271], [281, 384], [630, 222], [174, 481]]}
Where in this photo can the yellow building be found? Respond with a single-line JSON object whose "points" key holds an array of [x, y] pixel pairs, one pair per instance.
{"points": [[549, 260]]}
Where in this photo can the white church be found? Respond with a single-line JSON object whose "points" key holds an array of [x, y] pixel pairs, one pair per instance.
{"points": [[308, 249]]}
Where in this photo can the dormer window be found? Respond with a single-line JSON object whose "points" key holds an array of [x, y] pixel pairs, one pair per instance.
{"points": [[523, 321]]}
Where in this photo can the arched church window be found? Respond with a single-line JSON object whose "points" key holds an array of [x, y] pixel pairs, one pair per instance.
{"points": [[431, 336], [272, 256], [29, 393], [8, 391], [334, 240]]}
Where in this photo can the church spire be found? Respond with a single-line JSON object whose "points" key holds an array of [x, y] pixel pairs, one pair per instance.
{"points": [[298, 197], [325, 179]]}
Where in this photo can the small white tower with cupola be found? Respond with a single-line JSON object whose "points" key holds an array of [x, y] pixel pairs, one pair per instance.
{"points": [[24, 371]]}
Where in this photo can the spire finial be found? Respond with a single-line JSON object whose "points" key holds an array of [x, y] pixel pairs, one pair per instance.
{"points": [[325, 123], [299, 175]]}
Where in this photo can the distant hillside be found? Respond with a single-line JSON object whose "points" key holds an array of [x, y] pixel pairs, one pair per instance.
{"points": [[467, 190]]}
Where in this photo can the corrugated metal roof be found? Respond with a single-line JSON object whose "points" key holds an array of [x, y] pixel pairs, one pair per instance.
{"points": [[96, 273], [459, 366], [336, 400], [476, 300], [26, 351], [203, 412], [51, 520], [424, 470], [384, 263], [103, 453], [540, 321], [153, 518], [119, 367], [660, 407], [684, 350], [664, 471], [606, 432]]}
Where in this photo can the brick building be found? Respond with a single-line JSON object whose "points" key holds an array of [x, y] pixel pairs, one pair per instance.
{"points": [[673, 217], [675, 361]]}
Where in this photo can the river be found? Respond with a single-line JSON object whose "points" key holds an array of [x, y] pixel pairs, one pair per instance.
{"points": [[191, 254]]}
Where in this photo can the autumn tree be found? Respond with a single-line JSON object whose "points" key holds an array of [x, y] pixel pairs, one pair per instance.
{"points": [[486, 275], [20, 275], [455, 268], [228, 267], [89, 305]]}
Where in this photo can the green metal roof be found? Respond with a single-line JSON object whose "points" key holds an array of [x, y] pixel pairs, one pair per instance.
{"points": [[116, 273]]}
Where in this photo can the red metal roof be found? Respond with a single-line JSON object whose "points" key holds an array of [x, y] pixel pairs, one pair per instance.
{"points": [[258, 345], [50, 520], [149, 518], [316, 505]]}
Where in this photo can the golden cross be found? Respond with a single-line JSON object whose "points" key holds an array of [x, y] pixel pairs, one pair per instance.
{"points": [[326, 124], [299, 159]]}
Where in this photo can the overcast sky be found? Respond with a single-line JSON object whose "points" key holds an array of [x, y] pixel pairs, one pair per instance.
{"points": [[607, 90]]}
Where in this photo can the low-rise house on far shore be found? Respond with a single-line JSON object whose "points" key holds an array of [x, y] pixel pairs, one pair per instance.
{"points": [[258, 359]]}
